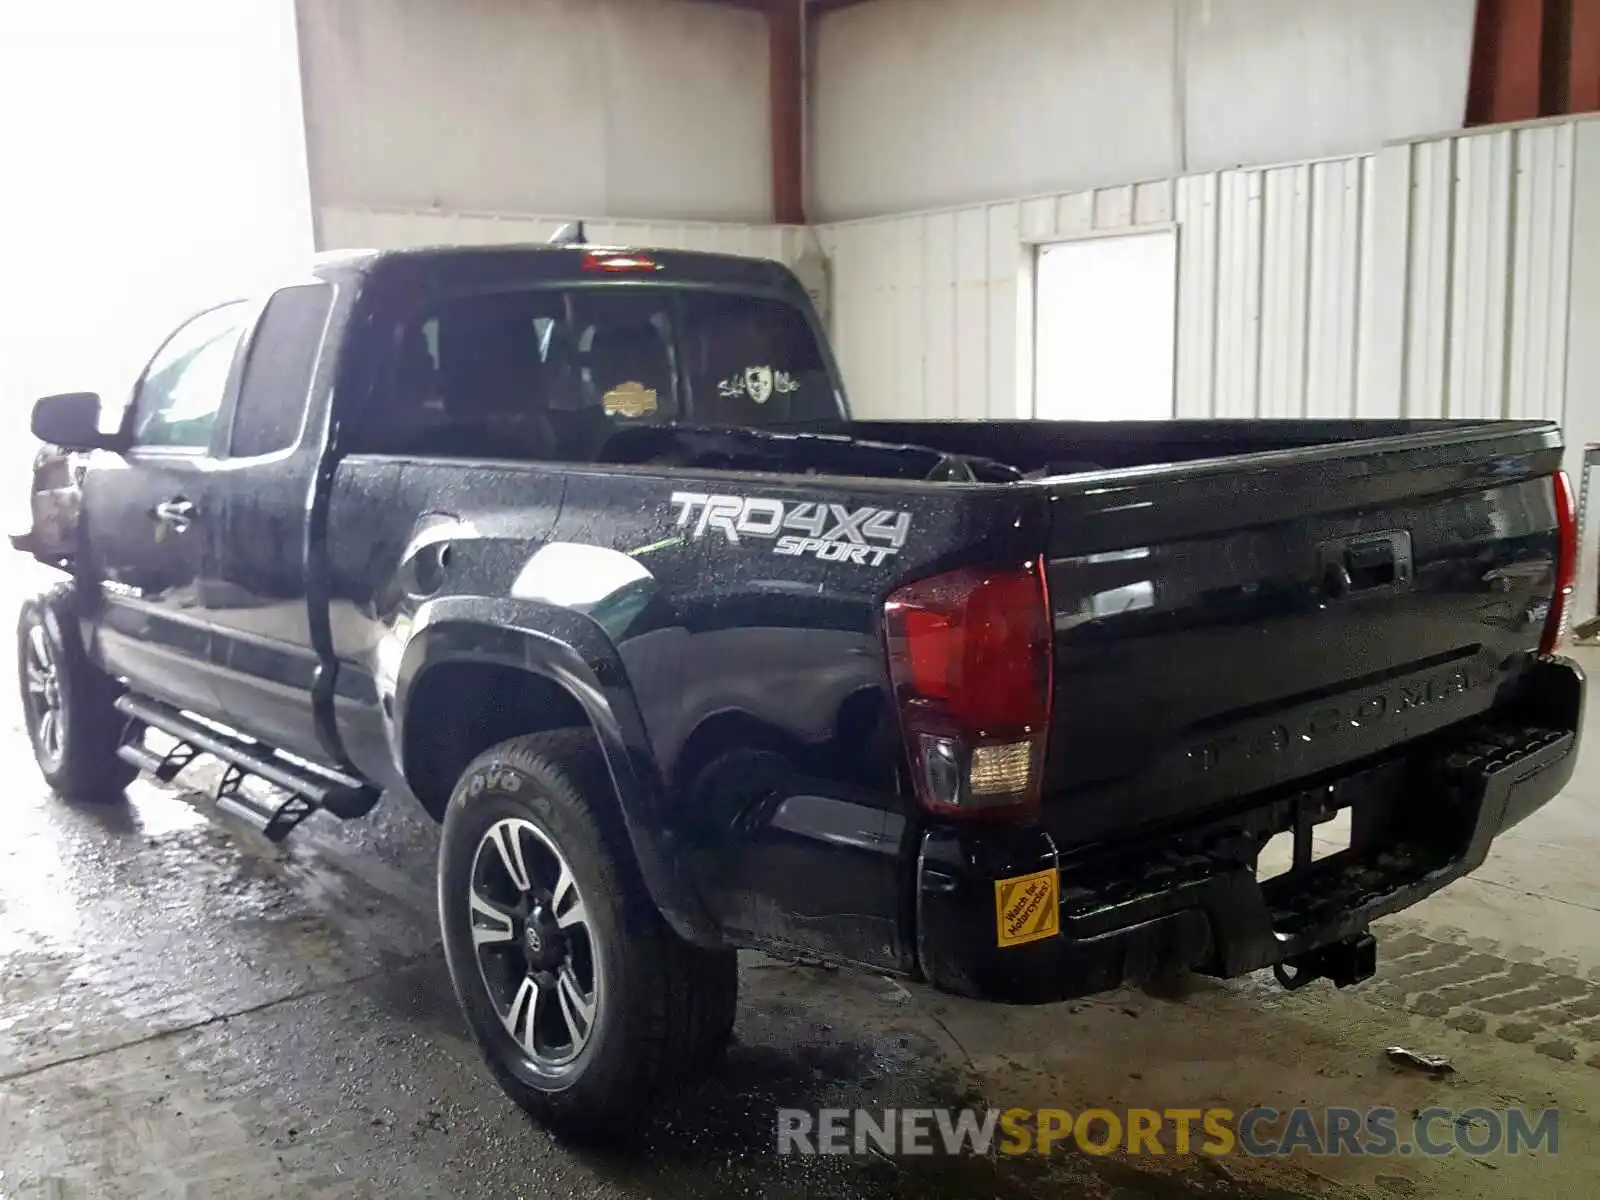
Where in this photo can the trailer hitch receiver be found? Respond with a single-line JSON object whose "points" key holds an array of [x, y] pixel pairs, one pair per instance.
{"points": [[1343, 963]]}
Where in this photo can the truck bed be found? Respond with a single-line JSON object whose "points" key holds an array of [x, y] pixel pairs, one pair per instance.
{"points": [[1238, 606], [1210, 643]]}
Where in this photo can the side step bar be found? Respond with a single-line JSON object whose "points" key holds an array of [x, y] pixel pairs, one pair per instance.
{"points": [[308, 788]]}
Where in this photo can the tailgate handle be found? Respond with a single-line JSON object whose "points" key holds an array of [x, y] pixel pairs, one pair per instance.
{"points": [[1371, 564], [1366, 563]]}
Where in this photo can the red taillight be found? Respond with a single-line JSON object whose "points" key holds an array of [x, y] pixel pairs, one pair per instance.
{"points": [[970, 660], [1555, 624]]}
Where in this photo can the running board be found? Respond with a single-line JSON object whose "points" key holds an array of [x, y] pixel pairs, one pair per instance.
{"points": [[307, 788]]}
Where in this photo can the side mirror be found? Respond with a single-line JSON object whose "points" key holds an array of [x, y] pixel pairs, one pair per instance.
{"points": [[71, 420]]}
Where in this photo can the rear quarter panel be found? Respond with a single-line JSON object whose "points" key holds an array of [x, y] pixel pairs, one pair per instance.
{"points": [[750, 667]]}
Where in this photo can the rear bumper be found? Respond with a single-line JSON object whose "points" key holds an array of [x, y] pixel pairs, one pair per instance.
{"points": [[1190, 899]]}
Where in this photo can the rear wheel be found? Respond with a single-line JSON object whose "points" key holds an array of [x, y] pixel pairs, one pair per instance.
{"points": [[586, 1005], [67, 704]]}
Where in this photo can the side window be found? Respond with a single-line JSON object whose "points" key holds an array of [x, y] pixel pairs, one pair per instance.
{"points": [[178, 397], [276, 384]]}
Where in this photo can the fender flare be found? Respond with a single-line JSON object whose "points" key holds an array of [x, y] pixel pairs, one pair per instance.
{"points": [[572, 652]]}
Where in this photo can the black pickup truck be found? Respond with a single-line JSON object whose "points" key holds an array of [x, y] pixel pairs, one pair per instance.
{"points": [[581, 549]]}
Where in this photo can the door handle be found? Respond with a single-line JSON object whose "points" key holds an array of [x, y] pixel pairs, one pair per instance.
{"points": [[177, 513]]}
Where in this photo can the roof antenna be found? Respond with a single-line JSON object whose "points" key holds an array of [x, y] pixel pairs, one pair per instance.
{"points": [[570, 234]]}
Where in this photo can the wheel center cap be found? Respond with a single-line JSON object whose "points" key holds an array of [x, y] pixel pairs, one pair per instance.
{"points": [[542, 941]]}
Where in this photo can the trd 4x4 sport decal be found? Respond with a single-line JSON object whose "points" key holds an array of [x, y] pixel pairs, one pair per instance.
{"points": [[831, 532]]}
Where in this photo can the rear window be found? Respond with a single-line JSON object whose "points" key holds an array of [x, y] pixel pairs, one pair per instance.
{"points": [[552, 374]]}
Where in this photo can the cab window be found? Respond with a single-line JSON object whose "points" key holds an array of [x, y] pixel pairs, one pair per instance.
{"points": [[551, 374]]}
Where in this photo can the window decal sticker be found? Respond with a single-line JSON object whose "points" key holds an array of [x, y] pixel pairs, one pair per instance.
{"points": [[631, 399], [759, 384]]}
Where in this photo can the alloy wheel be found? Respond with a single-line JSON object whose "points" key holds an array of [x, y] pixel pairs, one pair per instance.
{"points": [[42, 692], [535, 946]]}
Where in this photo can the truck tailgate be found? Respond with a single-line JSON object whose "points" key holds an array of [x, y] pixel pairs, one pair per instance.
{"points": [[1228, 627]]}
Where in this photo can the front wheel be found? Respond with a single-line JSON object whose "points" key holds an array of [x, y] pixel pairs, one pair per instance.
{"points": [[586, 1005], [68, 704]]}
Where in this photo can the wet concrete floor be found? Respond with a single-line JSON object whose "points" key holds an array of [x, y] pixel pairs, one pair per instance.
{"points": [[186, 1010]]}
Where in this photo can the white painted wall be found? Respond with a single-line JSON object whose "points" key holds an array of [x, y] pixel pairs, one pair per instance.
{"points": [[620, 108], [928, 103]]}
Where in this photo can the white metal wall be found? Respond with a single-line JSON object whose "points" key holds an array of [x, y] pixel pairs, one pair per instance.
{"points": [[1471, 315], [1429, 279], [346, 228], [653, 108], [1080, 93], [1583, 348], [930, 310]]}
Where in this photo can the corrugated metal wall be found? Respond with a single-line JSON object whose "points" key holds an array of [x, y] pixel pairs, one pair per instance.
{"points": [[1429, 279], [929, 311], [1271, 289], [1472, 315], [341, 228]]}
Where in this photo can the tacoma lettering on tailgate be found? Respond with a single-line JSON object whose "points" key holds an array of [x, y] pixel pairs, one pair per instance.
{"points": [[1345, 716], [830, 532]]}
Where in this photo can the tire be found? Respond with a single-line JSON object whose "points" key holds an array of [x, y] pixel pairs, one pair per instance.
{"points": [[713, 1017], [68, 704], [585, 1023]]}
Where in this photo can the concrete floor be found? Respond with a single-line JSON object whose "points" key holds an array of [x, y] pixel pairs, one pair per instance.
{"points": [[188, 1011]]}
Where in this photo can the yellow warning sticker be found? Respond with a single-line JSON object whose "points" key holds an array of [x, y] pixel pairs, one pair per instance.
{"points": [[1026, 908]]}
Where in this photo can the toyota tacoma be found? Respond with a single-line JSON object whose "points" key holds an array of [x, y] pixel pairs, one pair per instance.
{"points": [[581, 549]]}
